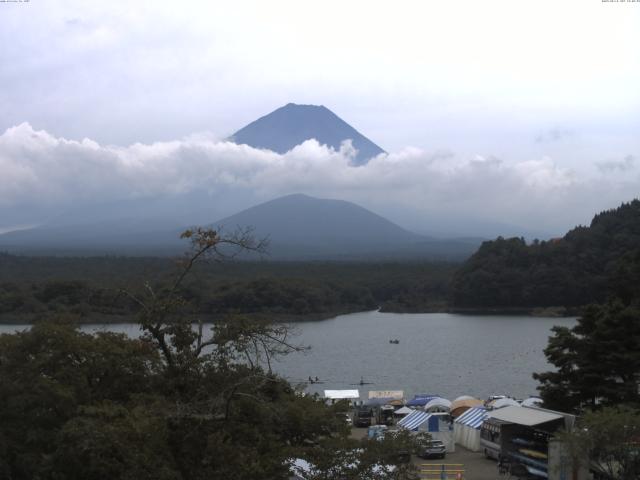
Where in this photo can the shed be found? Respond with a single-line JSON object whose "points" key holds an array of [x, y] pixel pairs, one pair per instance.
{"points": [[525, 416], [525, 435], [466, 428]]}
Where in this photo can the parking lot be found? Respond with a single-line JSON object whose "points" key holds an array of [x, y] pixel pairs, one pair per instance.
{"points": [[471, 465]]}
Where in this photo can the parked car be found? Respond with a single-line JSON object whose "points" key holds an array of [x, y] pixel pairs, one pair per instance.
{"points": [[434, 449], [347, 418]]}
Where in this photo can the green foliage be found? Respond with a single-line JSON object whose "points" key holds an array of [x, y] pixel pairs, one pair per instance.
{"points": [[340, 458], [49, 372], [597, 361], [587, 265], [108, 441], [609, 438], [91, 287], [178, 403]]}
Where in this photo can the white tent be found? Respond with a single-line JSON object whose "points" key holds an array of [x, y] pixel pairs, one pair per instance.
{"points": [[503, 402], [438, 404], [466, 428], [532, 402], [403, 411]]}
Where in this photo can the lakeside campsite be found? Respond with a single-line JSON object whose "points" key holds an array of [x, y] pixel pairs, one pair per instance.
{"points": [[516, 438], [320, 240]]}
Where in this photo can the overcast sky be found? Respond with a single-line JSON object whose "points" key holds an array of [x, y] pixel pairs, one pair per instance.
{"points": [[543, 94]]}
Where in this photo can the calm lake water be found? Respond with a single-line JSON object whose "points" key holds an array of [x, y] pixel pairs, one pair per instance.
{"points": [[437, 353]]}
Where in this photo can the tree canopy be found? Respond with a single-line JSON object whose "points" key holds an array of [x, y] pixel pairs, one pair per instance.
{"points": [[608, 438], [581, 268], [177, 403], [597, 361]]}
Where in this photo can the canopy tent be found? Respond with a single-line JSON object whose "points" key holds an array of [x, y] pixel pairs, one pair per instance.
{"points": [[503, 402], [436, 424], [421, 399], [341, 394], [532, 402], [403, 411], [463, 397], [414, 420], [473, 417], [459, 406], [466, 428], [438, 404]]}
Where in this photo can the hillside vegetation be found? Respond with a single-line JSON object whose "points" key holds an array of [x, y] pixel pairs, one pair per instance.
{"points": [[587, 265], [91, 287]]}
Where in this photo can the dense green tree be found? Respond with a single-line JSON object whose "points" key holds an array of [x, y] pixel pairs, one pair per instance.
{"points": [[597, 361], [589, 264], [608, 440], [49, 372], [177, 403]]}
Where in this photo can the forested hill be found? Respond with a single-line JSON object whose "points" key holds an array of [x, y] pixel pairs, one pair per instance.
{"points": [[587, 265]]}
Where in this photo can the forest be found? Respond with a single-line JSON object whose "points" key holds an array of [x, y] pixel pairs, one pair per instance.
{"points": [[176, 403], [587, 265], [91, 287]]}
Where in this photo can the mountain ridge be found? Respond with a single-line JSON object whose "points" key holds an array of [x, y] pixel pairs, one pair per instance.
{"points": [[300, 227], [292, 124]]}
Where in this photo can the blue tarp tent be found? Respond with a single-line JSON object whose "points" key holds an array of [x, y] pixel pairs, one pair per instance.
{"points": [[420, 400]]}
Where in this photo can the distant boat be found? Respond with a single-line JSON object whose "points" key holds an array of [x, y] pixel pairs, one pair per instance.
{"points": [[396, 341], [362, 382]]}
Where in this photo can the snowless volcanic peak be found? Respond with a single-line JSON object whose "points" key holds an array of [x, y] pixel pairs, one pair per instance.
{"points": [[288, 126]]}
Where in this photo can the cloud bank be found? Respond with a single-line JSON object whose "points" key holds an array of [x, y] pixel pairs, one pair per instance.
{"points": [[42, 172]]}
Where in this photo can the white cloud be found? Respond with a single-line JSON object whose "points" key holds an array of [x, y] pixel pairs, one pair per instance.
{"points": [[624, 165], [42, 171]]}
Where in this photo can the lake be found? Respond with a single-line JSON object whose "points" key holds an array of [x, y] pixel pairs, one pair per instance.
{"points": [[437, 353]]}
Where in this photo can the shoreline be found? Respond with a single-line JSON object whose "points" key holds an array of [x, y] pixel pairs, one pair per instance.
{"points": [[105, 319]]}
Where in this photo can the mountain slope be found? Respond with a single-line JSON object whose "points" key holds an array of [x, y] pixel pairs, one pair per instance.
{"points": [[299, 226], [325, 225], [288, 126], [587, 265]]}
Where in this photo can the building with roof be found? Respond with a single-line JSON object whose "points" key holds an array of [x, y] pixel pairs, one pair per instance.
{"points": [[524, 436]]}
